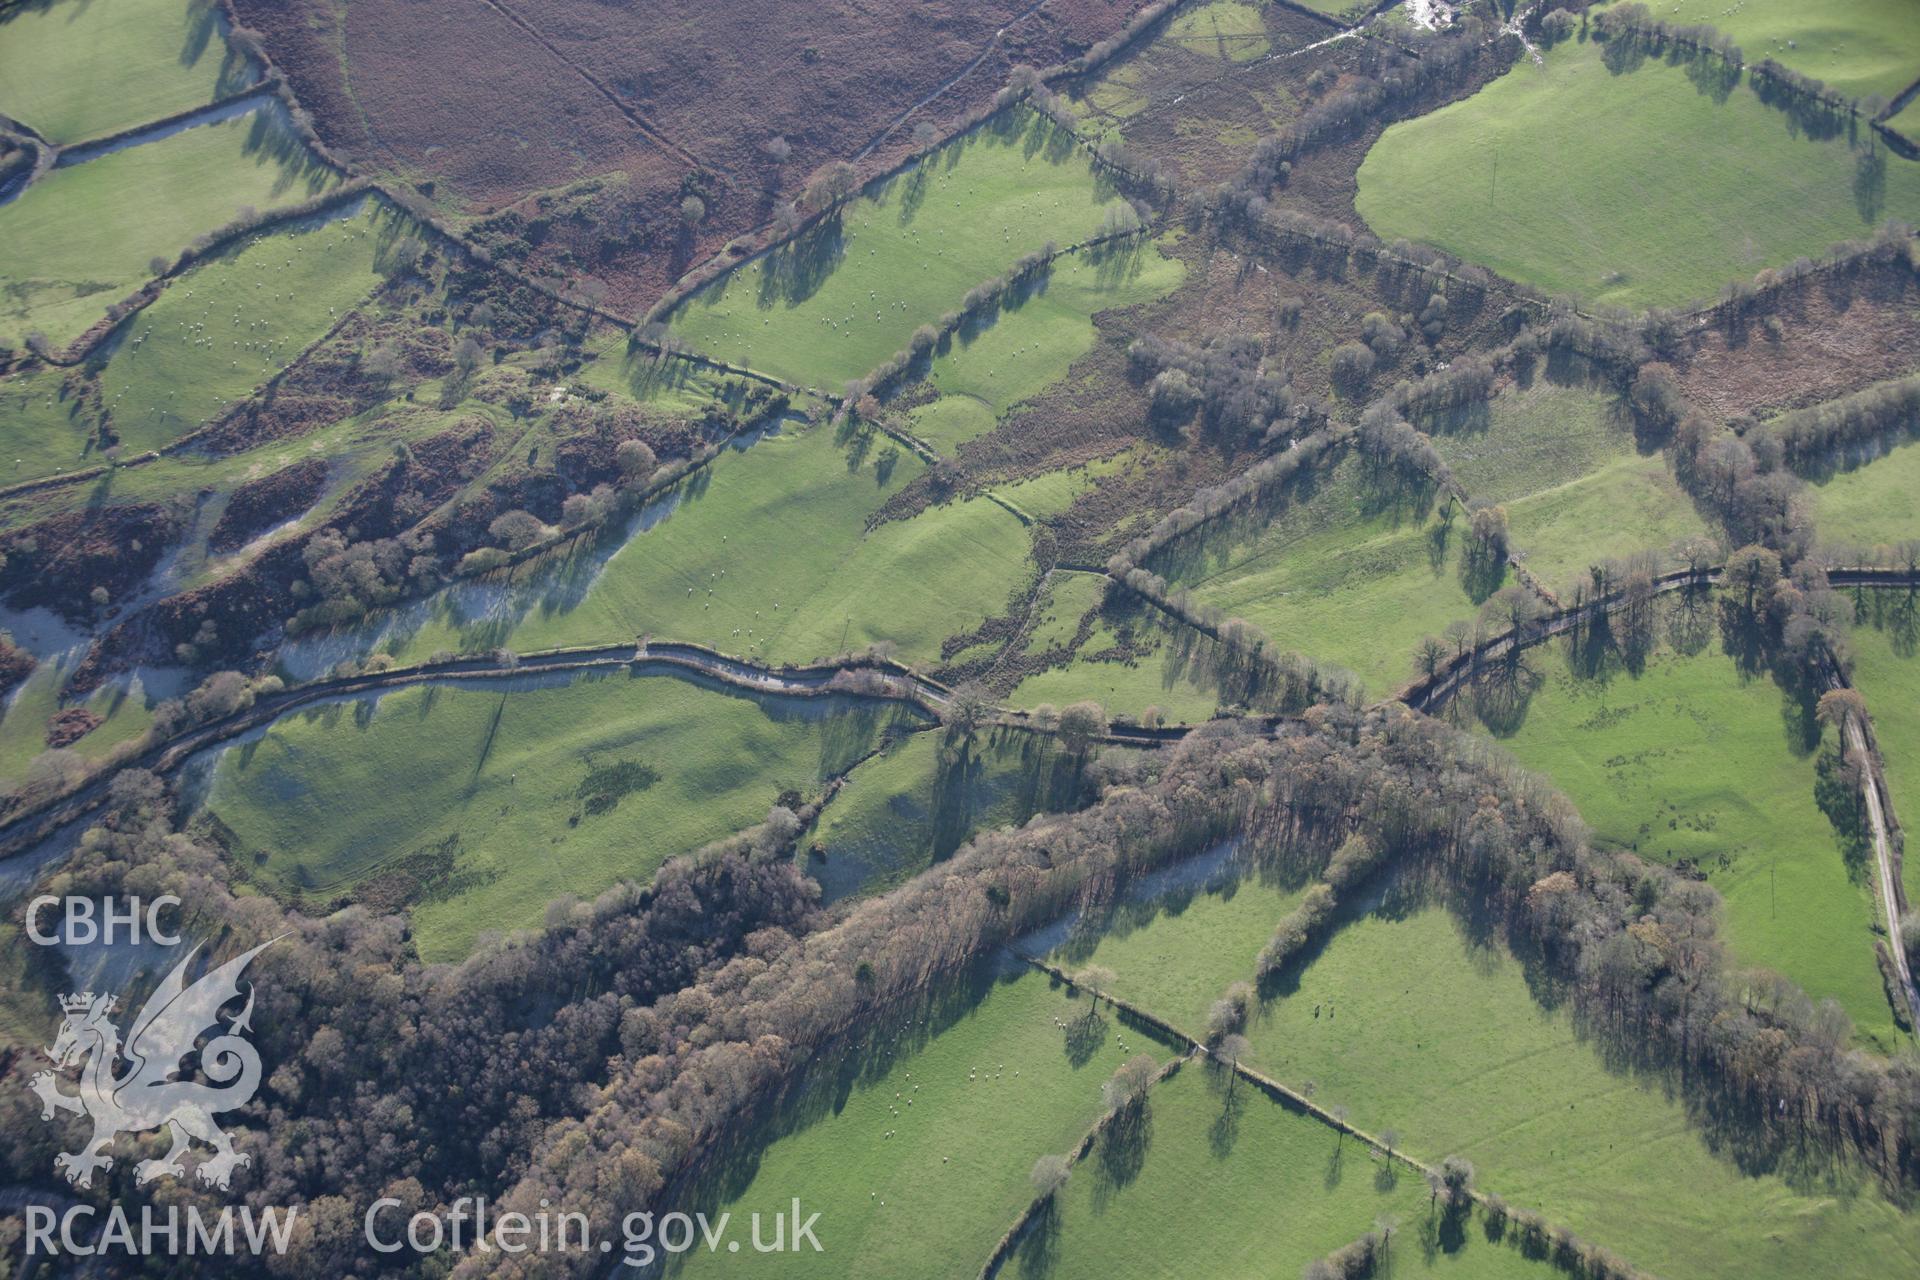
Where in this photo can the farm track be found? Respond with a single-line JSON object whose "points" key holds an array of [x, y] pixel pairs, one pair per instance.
{"points": [[1873, 786]]}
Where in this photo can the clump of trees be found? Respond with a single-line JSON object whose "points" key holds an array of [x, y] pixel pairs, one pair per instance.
{"points": [[1357, 858], [1352, 368], [593, 1060], [1814, 440], [1467, 381], [1228, 1015], [1357, 1260], [1756, 500], [1389, 440], [1050, 1174], [1226, 382], [832, 184], [1127, 1087], [347, 578]]}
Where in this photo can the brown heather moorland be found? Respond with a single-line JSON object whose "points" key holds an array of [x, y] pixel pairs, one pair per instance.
{"points": [[585, 124]]}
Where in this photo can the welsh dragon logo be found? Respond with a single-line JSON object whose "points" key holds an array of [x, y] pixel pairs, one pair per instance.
{"points": [[147, 1096]]}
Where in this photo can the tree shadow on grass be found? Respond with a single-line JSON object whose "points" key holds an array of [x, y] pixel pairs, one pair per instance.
{"points": [[1120, 1152], [1039, 1247], [1085, 1035], [794, 272], [1837, 790], [1503, 692], [1224, 1132], [1336, 1166], [725, 1170]]}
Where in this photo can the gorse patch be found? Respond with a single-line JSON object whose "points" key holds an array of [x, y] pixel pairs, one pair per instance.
{"points": [[605, 785]]}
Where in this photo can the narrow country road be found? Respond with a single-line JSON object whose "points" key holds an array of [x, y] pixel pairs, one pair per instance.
{"points": [[1883, 854]]}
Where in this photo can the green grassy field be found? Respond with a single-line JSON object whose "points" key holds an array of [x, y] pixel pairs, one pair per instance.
{"points": [[233, 321], [45, 429], [1690, 761], [984, 372], [913, 806], [1886, 670], [1531, 438], [1859, 47], [995, 1085], [1416, 1026], [1516, 178], [1049, 494], [23, 723], [1907, 121], [844, 297], [1169, 671], [1177, 953], [79, 239], [1340, 573], [1067, 599], [1566, 468], [1422, 1030], [1630, 505], [538, 792], [1226, 29], [1872, 505], [1240, 1186], [158, 57], [768, 554]]}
